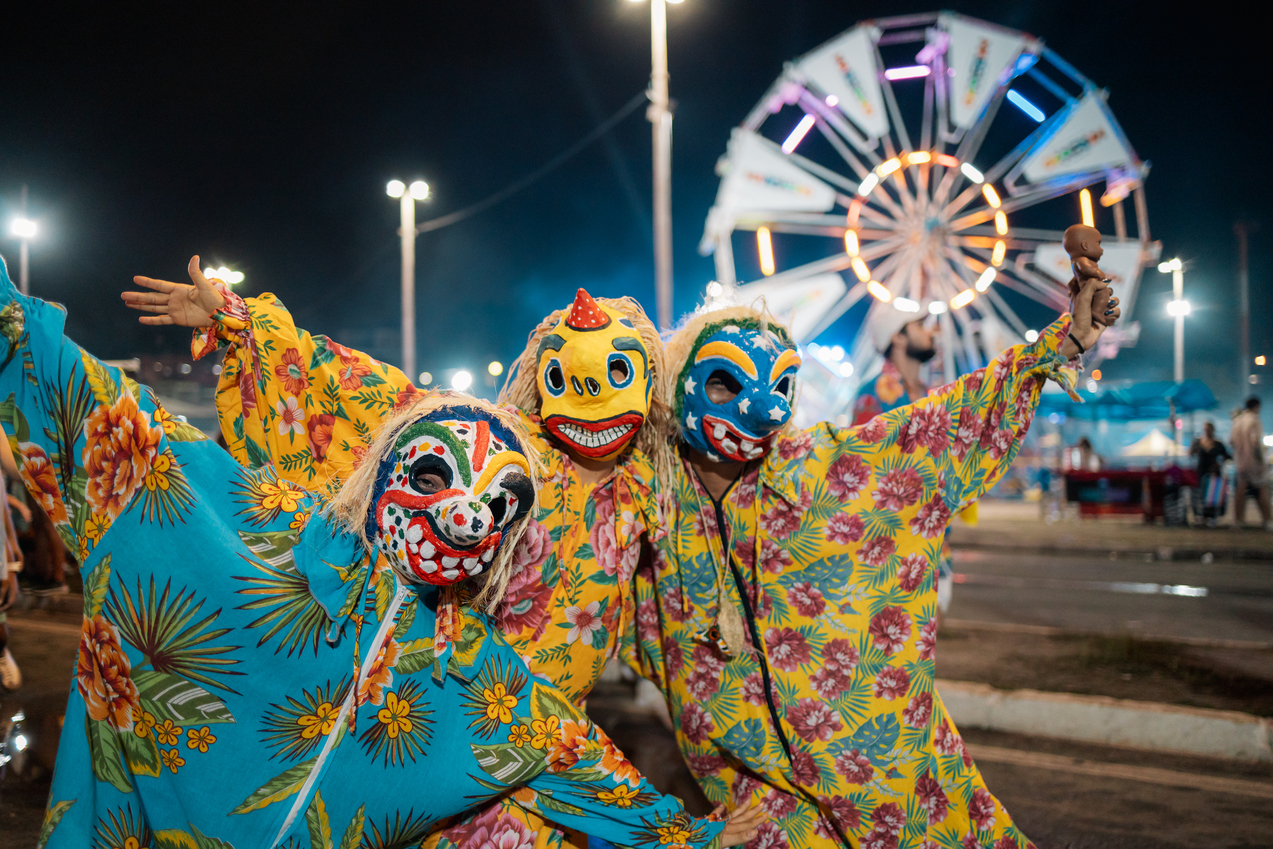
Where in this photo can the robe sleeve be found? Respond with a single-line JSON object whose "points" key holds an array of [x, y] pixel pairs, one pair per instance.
{"points": [[589, 785], [304, 403]]}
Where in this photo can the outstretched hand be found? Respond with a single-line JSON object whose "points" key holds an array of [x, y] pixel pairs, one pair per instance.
{"points": [[743, 824], [176, 303], [1087, 327]]}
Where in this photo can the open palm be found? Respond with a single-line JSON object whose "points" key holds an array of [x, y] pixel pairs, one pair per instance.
{"points": [[176, 303]]}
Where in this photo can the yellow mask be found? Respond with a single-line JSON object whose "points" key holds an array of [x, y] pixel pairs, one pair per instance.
{"points": [[594, 379]]}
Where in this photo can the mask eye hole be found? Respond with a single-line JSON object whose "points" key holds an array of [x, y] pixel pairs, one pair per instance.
{"points": [[783, 386], [722, 387], [554, 378], [619, 370], [430, 474]]}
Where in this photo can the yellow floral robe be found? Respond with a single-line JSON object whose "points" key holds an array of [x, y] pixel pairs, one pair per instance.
{"points": [[311, 406], [829, 718]]}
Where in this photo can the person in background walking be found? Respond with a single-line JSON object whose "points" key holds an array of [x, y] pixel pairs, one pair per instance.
{"points": [[1209, 496], [1247, 436], [10, 564]]}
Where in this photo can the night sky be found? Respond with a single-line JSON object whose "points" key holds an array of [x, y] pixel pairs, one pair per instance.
{"points": [[262, 139]]}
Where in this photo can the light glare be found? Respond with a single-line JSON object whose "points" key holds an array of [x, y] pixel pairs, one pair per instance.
{"points": [[877, 289], [906, 304], [868, 185], [23, 228], [1170, 266], [395, 188], [846, 369], [971, 173], [714, 289], [919, 157], [426, 377], [1032, 336], [963, 299], [851, 246], [859, 268], [888, 167], [992, 197], [798, 134], [832, 100], [907, 72], [1026, 106], [764, 244], [495, 369], [937, 308], [1001, 223], [461, 380], [419, 190], [987, 277], [1179, 308], [1261, 360], [1000, 249], [1085, 207]]}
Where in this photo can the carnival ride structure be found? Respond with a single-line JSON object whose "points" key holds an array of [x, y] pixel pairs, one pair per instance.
{"points": [[882, 166]]}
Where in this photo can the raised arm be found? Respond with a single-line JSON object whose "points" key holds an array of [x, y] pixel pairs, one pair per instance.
{"points": [[304, 403]]}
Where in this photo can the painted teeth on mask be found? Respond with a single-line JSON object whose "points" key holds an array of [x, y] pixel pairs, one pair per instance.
{"points": [[748, 447], [719, 433], [450, 562], [427, 549], [728, 445], [488, 555], [429, 567], [451, 574], [588, 439], [415, 533], [472, 565]]}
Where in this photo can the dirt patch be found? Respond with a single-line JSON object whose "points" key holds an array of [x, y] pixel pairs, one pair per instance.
{"points": [[1123, 667]]}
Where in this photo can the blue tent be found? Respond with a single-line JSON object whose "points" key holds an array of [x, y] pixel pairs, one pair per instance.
{"points": [[1148, 400]]}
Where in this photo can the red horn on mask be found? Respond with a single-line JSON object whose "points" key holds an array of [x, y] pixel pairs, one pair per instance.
{"points": [[586, 314]]}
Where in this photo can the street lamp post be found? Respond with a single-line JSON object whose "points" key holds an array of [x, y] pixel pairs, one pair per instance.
{"points": [[660, 117], [1178, 308], [408, 195]]}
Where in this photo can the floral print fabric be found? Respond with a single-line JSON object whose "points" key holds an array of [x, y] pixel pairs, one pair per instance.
{"points": [[245, 675], [570, 597], [830, 720]]}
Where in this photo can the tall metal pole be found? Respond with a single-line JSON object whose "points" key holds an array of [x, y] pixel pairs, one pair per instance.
{"points": [[24, 253], [1178, 289], [660, 115], [1244, 308], [408, 285]]}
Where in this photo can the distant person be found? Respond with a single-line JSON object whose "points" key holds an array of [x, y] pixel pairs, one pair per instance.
{"points": [[1083, 458], [1247, 436], [906, 345], [10, 565], [1209, 495]]}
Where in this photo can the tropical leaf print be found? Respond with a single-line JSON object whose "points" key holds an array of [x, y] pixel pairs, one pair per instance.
{"points": [[265, 495], [298, 726], [402, 726], [281, 786], [288, 608], [168, 696], [493, 695], [404, 830], [165, 495], [320, 829], [52, 816], [164, 627], [121, 827]]}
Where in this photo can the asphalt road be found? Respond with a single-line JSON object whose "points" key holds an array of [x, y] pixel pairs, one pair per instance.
{"points": [[1215, 601]]}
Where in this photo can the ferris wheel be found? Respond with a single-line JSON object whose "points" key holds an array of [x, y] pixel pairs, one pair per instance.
{"points": [[929, 164]]}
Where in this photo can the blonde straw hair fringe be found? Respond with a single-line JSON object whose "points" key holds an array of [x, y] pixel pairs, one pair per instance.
{"points": [[351, 504]]}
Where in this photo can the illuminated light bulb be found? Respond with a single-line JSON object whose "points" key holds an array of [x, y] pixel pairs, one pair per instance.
{"points": [[947, 160], [906, 304], [846, 369], [765, 245], [855, 209], [937, 308], [798, 134], [495, 369], [851, 246], [987, 277], [1000, 249], [1168, 267], [868, 185], [877, 289], [23, 228], [1261, 360], [889, 167], [1001, 223], [919, 157], [1032, 336], [461, 380], [859, 268], [963, 299], [1096, 374], [419, 190], [714, 289], [837, 353], [832, 100], [907, 72], [426, 378], [1026, 106], [971, 173], [1179, 308], [1085, 207], [992, 197], [1092, 386], [395, 188], [236, 277]]}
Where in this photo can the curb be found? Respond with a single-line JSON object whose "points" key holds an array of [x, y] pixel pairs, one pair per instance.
{"points": [[1158, 552], [1109, 721]]}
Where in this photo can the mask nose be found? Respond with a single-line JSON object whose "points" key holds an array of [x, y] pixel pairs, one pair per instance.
{"points": [[467, 523], [765, 412]]}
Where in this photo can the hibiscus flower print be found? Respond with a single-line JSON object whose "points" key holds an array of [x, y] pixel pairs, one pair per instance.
{"points": [[103, 674], [982, 809], [814, 720], [910, 572], [696, 723], [889, 818], [781, 520], [291, 418], [873, 431], [829, 682], [926, 644], [936, 435], [807, 598], [773, 557], [704, 765], [788, 649], [41, 481], [754, 689], [844, 529], [919, 711], [932, 798], [292, 372], [351, 374], [877, 551], [840, 654], [320, 429], [898, 489], [525, 603], [854, 766], [848, 476], [795, 446], [932, 518], [890, 629], [947, 742], [968, 433], [745, 492], [583, 622], [891, 682], [1001, 442], [769, 836], [804, 768], [844, 812], [702, 684]]}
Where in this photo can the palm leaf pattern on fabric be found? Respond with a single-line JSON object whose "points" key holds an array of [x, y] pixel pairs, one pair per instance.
{"points": [[297, 727], [163, 627], [290, 610]]}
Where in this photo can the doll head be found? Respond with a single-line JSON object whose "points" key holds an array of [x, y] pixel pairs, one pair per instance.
{"points": [[1081, 240]]}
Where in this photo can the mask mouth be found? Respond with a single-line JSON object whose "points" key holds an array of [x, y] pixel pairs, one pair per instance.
{"points": [[595, 438], [729, 441]]}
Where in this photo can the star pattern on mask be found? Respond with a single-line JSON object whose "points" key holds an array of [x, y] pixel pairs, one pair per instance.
{"points": [[732, 328], [776, 414], [762, 341], [690, 421], [689, 386], [743, 405]]}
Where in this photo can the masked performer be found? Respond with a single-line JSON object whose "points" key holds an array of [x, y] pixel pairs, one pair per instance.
{"points": [[246, 676], [790, 617], [583, 386]]}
